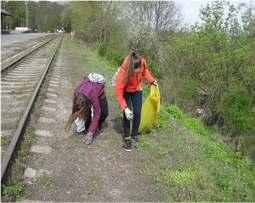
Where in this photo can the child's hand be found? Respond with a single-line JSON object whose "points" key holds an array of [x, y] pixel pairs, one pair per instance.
{"points": [[88, 138]]}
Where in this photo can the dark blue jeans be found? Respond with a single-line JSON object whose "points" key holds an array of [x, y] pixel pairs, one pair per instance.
{"points": [[134, 102]]}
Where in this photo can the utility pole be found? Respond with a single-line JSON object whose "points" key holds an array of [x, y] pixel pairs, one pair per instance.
{"points": [[26, 3]]}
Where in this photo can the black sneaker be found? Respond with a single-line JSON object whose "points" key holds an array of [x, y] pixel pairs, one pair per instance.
{"points": [[127, 146], [135, 138], [134, 141]]}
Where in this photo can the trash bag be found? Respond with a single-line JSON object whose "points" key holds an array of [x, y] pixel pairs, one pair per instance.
{"points": [[150, 110]]}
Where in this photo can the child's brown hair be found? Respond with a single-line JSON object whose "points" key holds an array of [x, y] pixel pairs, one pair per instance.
{"points": [[81, 108]]}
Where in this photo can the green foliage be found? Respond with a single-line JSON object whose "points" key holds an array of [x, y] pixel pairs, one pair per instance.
{"points": [[113, 55], [198, 168], [44, 180], [236, 107], [223, 154], [186, 165], [199, 68], [212, 67], [90, 58], [102, 49], [154, 70], [143, 144], [22, 154], [191, 123], [249, 147], [163, 120], [5, 140], [215, 149], [14, 189], [97, 24], [248, 19], [163, 151], [29, 136], [175, 112], [66, 19], [20, 162], [182, 178], [146, 91], [43, 16], [196, 126], [17, 9]]}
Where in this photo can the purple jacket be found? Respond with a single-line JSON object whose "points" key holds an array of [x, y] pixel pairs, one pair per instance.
{"points": [[92, 91]]}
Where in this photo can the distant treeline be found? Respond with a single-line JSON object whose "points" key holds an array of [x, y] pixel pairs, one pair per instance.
{"points": [[43, 16]]}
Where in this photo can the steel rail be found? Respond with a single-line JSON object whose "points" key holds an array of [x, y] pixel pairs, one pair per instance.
{"points": [[15, 141], [6, 64]]}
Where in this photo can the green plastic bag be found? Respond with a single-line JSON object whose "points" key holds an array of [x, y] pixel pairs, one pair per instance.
{"points": [[150, 110]]}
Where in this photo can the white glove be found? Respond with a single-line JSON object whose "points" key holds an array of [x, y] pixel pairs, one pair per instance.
{"points": [[88, 138], [80, 124], [128, 113], [155, 82]]}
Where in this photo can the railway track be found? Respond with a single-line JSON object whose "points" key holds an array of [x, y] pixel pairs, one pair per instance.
{"points": [[21, 80], [6, 63]]}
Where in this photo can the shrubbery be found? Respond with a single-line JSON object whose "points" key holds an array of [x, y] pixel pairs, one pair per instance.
{"points": [[207, 70], [211, 68]]}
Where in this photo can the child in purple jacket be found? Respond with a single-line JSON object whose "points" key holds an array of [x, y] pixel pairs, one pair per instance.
{"points": [[90, 107]]}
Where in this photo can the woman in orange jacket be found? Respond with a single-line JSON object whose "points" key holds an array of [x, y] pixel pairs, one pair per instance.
{"points": [[128, 92]]}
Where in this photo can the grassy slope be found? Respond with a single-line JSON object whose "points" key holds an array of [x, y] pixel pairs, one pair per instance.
{"points": [[186, 158]]}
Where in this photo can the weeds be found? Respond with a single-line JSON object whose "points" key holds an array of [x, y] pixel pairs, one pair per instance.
{"points": [[29, 136], [21, 158], [14, 189], [5, 140], [195, 125], [163, 151], [182, 178], [209, 169], [143, 144], [44, 180]]}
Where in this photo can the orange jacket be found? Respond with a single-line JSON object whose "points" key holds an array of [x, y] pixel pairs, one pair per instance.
{"points": [[134, 82]]}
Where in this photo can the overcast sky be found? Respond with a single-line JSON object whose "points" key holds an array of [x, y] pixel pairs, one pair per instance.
{"points": [[190, 8]]}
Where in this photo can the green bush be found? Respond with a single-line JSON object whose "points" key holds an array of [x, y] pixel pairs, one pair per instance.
{"points": [[154, 69], [116, 57], [236, 107], [201, 68], [163, 120], [102, 49], [175, 112]]}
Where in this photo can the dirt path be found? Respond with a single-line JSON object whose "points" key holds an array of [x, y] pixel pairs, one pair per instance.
{"points": [[61, 167]]}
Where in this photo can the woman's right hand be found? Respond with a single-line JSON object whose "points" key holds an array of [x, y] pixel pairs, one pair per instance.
{"points": [[155, 82], [128, 113]]}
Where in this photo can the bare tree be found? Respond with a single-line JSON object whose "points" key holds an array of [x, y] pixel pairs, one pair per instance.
{"points": [[154, 15], [151, 22]]}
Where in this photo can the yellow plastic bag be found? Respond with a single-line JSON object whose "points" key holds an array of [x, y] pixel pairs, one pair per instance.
{"points": [[150, 110]]}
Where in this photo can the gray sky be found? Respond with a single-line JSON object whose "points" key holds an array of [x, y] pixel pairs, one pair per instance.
{"points": [[190, 8]]}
